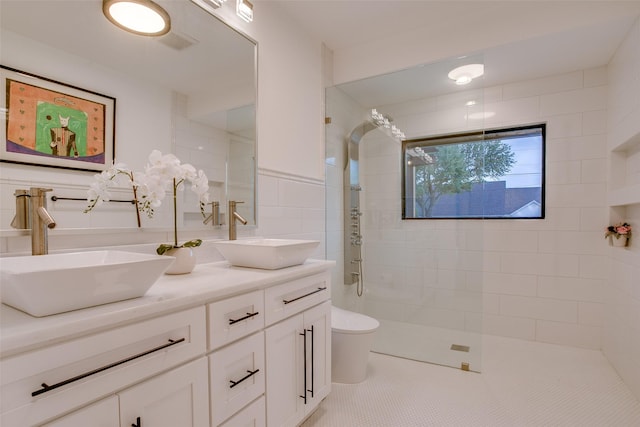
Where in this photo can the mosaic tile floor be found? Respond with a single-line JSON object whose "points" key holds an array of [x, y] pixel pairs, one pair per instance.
{"points": [[522, 384]]}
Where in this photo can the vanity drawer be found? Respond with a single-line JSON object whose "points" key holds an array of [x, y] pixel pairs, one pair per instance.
{"points": [[41, 384], [237, 376], [234, 318], [287, 299], [253, 415]]}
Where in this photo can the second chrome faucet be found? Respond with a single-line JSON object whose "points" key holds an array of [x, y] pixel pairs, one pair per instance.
{"points": [[233, 217]]}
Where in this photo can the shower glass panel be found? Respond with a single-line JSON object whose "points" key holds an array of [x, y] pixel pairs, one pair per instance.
{"points": [[422, 279]]}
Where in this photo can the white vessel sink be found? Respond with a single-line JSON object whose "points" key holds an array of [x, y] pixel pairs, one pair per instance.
{"points": [[268, 254], [50, 284]]}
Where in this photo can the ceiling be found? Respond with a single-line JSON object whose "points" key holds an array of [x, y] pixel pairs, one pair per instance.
{"points": [[516, 39]]}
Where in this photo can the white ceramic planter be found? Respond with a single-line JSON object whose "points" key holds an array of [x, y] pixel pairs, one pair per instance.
{"points": [[184, 263]]}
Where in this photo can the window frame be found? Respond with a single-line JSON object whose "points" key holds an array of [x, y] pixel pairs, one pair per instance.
{"points": [[473, 136]]}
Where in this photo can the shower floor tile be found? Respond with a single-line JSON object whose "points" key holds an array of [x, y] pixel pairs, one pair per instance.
{"points": [[522, 384], [425, 343]]}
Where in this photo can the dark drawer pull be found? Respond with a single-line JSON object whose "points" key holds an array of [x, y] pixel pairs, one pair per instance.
{"points": [[45, 388], [303, 296], [249, 375], [248, 316]]}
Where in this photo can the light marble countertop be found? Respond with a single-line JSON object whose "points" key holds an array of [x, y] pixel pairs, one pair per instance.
{"points": [[208, 282]]}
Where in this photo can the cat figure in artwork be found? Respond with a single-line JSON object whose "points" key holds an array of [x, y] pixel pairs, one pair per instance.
{"points": [[63, 140]]}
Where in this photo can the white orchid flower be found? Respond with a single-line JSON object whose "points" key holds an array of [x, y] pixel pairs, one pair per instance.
{"points": [[163, 172]]}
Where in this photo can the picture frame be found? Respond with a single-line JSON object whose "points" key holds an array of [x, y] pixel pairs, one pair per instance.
{"points": [[53, 124]]}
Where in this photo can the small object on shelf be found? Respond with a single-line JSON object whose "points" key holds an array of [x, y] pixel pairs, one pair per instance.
{"points": [[618, 234]]}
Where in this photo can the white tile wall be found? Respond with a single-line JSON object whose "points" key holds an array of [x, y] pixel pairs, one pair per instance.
{"points": [[542, 279], [621, 312], [571, 334], [539, 308], [291, 207]]}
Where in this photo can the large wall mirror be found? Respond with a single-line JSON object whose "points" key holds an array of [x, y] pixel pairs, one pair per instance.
{"points": [[191, 92]]}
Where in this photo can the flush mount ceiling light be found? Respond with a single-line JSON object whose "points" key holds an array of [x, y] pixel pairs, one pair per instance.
{"points": [[244, 9], [464, 74], [142, 17]]}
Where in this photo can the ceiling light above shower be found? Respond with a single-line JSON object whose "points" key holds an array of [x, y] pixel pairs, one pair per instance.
{"points": [[465, 74]]}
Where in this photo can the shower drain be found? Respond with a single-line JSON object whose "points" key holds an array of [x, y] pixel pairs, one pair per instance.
{"points": [[458, 347]]}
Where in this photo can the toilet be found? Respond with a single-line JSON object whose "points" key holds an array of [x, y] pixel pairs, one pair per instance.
{"points": [[351, 339]]}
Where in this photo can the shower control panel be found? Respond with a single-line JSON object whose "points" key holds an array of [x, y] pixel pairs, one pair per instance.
{"points": [[356, 237], [352, 241]]}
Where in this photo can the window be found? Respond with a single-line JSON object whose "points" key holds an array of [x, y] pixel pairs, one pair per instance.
{"points": [[495, 173]]}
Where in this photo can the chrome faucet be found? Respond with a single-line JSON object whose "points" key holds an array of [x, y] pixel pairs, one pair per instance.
{"points": [[214, 218], [41, 221], [233, 216]]}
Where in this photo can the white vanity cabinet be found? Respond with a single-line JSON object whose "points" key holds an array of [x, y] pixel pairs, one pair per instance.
{"points": [[254, 349], [40, 385], [298, 349]]}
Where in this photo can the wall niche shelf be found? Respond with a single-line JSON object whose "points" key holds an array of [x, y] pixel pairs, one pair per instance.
{"points": [[624, 149], [626, 135], [627, 195]]}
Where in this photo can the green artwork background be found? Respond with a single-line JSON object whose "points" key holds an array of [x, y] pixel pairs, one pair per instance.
{"points": [[48, 117]]}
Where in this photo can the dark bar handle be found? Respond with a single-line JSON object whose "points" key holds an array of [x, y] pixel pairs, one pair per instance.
{"points": [[249, 375], [138, 423], [303, 296], [56, 198], [312, 352], [45, 388], [248, 316], [304, 347]]}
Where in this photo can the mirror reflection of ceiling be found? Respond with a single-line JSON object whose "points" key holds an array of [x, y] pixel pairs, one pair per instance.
{"points": [[523, 60], [518, 39], [182, 60]]}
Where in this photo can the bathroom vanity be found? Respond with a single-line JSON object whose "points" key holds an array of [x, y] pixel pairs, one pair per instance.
{"points": [[221, 346]]}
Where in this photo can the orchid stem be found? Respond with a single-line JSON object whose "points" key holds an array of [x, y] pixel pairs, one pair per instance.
{"points": [[135, 198], [135, 201], [175, 214]]}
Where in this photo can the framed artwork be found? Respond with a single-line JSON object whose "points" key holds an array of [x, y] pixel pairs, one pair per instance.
{"points": [[48, 123]]}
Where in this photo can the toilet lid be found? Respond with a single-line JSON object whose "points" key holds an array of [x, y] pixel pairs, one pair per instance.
{"points": [[349, 322]]}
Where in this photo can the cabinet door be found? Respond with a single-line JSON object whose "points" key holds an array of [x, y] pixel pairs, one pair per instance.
{"points": [[284, 349], [317, 323], [101, 414], [179, 397]]}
